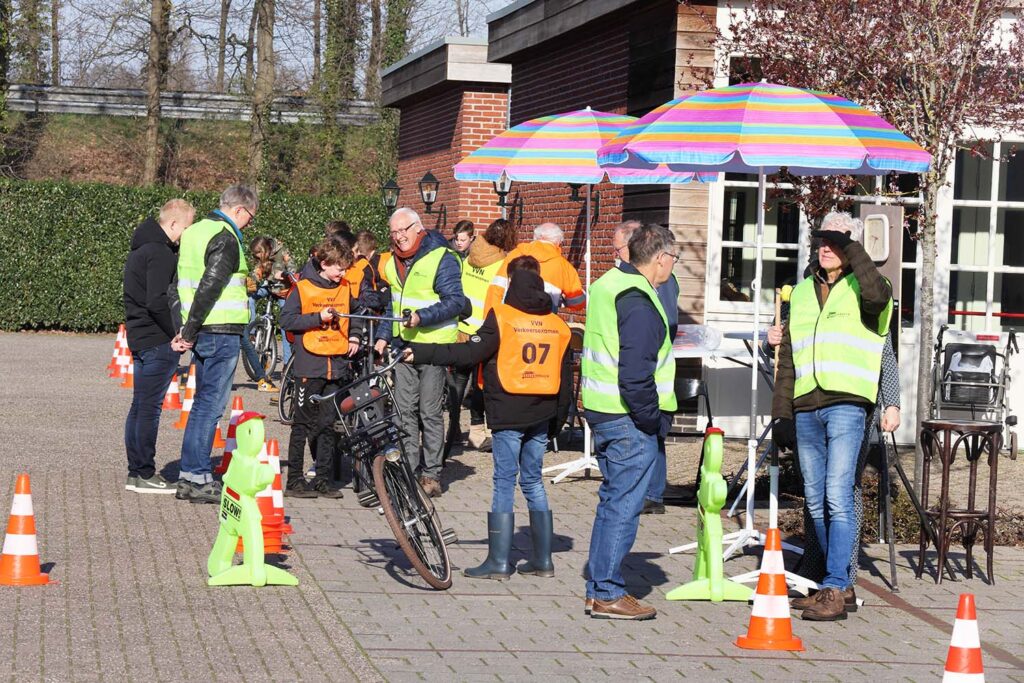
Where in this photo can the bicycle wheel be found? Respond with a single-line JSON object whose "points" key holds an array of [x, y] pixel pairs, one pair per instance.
{"points": [[250, 371], [286, 394], [266, 346], [414, 522]]}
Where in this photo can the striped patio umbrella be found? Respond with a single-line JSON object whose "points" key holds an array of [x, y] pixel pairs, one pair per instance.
{"points": [[562, 148]]}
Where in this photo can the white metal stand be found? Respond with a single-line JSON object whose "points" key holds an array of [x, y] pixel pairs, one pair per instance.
{"points": [[588, 461]]}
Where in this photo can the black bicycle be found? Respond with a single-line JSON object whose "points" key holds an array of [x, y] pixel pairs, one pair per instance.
{"points": [[263, 337], [286, 394], [369, 430]]}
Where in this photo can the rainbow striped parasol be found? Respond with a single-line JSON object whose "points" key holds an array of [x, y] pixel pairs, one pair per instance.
{"points": [[563, 148], [755, 127]]}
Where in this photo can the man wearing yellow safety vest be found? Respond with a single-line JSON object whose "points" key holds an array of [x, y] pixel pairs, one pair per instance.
{"points": [[486, 256], [628, 400], [215, 310], [827, 381], [426, 278]]}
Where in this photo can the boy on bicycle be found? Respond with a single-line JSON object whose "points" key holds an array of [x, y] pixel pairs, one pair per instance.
{"points": [[325, 342]]}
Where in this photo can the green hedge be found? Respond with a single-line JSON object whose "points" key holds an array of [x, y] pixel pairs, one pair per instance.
{"points": [[63, 246]]}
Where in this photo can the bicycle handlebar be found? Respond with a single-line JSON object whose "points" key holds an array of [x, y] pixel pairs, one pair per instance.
{"points": [[317, 398]]}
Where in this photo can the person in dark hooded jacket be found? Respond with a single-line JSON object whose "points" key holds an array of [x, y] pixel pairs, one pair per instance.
{"points": [[152, 320], [527, 379]]}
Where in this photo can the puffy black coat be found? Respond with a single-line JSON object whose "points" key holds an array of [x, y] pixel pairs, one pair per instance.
{"points": [[151, 310]]}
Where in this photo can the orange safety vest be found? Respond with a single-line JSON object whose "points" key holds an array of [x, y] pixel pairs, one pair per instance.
{"points": [[382, 266], [531, 351], [331, 338], [355, 275]]}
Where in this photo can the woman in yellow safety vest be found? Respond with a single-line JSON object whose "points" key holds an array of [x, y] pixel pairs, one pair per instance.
{"points": [[527, 379], [827, 382]]}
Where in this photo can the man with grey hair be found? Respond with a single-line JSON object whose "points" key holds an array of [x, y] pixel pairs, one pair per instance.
{"points": [[628, 378], [215, 310], [425, 277], [668, 295], [561, 281]]}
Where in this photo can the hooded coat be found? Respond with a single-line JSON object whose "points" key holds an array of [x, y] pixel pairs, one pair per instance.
{"points": [[151, 306]]}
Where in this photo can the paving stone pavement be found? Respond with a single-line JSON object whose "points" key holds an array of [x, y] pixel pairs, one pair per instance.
{"points": [[131, 602]]}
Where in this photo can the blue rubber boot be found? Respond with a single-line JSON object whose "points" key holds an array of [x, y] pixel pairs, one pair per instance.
{"points": [[541, 532], [500, 526]]}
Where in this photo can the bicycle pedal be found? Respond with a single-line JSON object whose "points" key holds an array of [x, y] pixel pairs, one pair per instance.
{"points": [[368, 499], [449, 536]]}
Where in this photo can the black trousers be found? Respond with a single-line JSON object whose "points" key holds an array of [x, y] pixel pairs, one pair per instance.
{"points": [[154, 368], [457, 380], [313, 422]]}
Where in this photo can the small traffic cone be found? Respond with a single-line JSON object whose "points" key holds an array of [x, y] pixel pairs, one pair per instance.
{"points": [[172, 399], [963, 663], [19, 563], [190, 391], [218, 438], [271, 522], [129, 373], [118, 341], [770, 625], [229, 447], [274, 453], [124, 359]]}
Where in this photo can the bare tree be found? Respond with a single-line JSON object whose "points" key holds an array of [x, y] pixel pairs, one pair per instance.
{"points": [[29, 42], [156, 76], [317, 38], [343, 32], [374, 52], [263, 87], [462, 15], [222, 42], [54, 42]]}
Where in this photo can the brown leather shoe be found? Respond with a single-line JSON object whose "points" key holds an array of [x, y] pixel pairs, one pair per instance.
{"points": [[588, 605], [828, 606], [849, 600], [627, 607], [431, 487]]}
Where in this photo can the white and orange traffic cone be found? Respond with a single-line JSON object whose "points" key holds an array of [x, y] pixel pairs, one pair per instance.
{"points": [[771, 627], [271, 522], [129, 373], [124, 359], [963, 663], [172, 399], [274, 453], [190, 392], [236, 410], [218, 438], [119, 340], [19, 563]]}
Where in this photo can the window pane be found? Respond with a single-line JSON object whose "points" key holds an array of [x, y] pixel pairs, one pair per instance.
{"points": [[966, 297], [1011, 175], [909, 299], [738, 271], [781, 220], [970, 236], [973, 176], [909, 243], [1009, 299], [906, 184], [1010, 236]]}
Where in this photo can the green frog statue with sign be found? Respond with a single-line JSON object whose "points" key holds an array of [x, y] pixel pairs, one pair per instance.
{"points": [[240, 515]]}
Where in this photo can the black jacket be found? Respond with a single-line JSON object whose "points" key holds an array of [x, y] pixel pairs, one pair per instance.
{"points": [[504, 410], [641, 334], [151, 309], [293, 320], [222, 260]]}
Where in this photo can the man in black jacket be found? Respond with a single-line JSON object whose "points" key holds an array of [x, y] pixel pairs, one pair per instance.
{"points": [[151, 321]]}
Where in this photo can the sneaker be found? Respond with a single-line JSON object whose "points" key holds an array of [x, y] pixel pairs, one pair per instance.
{"points": [[155, 484], [129, 485], [652, 508], [311, 472], [198, 493], [431, 487], [266, 386], [324, 488], [300, 489], [627, 607]]}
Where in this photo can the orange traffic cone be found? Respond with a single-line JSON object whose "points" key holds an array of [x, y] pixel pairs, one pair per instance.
{"points": [[129, 373], [19, 563], [172, 399], [271, 523], [963, 663], [121, 339], [218, 438], [229, 447], [770, 625], [190, 391], [274, 453]]}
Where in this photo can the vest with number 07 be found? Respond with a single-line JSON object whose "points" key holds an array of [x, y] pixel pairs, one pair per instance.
{"points": [[531, 351], [331, 338]]}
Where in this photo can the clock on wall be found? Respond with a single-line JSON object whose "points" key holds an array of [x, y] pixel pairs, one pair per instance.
{"points": [[876, 237]]}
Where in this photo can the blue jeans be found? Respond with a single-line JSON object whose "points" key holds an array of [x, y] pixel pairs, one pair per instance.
{"points": [[215, 356], [659, 476], [626, 457], [154, 368], [828, 443], [519, 454]]}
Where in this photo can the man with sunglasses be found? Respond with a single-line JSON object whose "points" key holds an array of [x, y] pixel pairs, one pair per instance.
{"points": [[215, 310]]}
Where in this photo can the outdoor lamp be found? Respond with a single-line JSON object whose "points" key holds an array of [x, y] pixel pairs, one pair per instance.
{"points": [[428, 190], [502, 186], [389, 193], [575, 196]]}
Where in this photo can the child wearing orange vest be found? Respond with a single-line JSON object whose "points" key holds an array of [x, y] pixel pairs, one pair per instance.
{"points": [[324, 346], [527, 381]]}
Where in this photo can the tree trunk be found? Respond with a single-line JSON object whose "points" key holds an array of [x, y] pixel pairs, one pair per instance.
{"points": [[5, 61], [54, 42], [250, 49], [343, 30], [222, 42], [263, 89], [926, 331], [30, 37], [462, 13], [396, 31], [317, 38], [374, 53], [156, 75]]}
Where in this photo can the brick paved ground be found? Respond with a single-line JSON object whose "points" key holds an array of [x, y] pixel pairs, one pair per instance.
{"points": [[131, 601]]}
